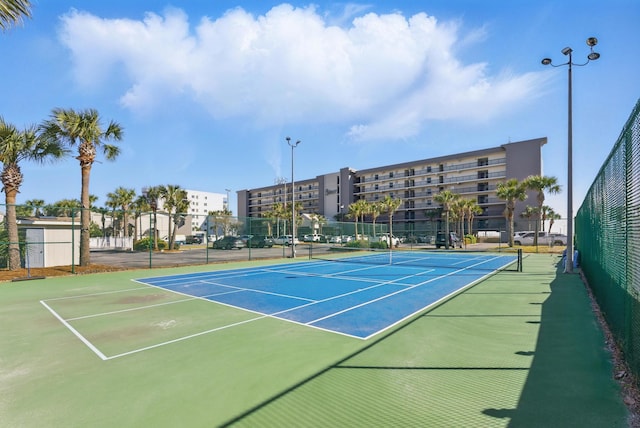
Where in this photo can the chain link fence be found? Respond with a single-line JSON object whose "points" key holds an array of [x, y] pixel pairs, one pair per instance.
{"points": [[608, 239]]}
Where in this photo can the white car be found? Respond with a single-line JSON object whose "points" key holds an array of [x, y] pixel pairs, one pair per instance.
{"points": [[544, 238], [285, 240]]}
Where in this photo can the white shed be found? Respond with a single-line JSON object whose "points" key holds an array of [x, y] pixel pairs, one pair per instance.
{"points": [[51, 241]]}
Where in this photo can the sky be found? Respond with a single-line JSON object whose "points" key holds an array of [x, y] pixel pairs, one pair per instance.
{"points": [[207, 91]]}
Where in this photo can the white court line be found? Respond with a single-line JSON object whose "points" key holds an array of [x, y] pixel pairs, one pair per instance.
{"points": [[394, 293], [74, 331], [191, 336], [129, 310], [79, 296]]}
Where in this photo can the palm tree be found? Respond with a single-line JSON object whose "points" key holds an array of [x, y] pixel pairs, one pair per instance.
{"points": [[446, 198], [176, 203], [12, 12], [511, 191], [152, 194], [390, 206], [36, 206], [552, 216], [540, 184], [84, 129], [375, 209], [359, 208], [355, 212], [474, 209], [16, 146], [140, 205], [123, 198], [63, 208], [528, 212]]}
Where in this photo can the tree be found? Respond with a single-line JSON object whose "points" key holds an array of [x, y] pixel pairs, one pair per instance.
{"points": [[152, 194], [390, 206], [176, 204], [540, 184], [83, 128], [122, 198], [375, 209], [12, 12], [140, 205], [36, 206], [359, 208], [528, 213], [16, 146], [355, 212], [552, 216], [63, 208], [446, 198], [511, 191]]}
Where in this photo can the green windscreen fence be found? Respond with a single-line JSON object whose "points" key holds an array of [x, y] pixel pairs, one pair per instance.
{"points": [[608, 239]]}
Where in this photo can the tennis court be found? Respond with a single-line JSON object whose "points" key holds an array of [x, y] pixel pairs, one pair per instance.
{"points": [[360, 295], [356, 295], [515, 349]]}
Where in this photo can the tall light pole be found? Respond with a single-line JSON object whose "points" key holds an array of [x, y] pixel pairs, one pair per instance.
{"points": [[591, 42], [293, 201]]}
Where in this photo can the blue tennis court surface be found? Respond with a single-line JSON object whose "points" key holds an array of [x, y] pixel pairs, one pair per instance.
{"points": [[351, 297]]}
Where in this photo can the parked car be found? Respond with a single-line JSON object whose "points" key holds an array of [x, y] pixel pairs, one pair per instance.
{"points": [[386, 238], [284, 240], [544, 238], [257, 241], [194, 239], [454, 241], [335, 240], [229, 243]]}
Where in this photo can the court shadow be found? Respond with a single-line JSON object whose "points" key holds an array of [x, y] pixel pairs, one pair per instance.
{"points": [[570, 380]]}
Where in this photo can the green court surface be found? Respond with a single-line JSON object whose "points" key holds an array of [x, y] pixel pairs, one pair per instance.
{"points": [[518, 349]]}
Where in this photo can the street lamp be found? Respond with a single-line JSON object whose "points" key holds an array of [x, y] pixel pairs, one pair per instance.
{"points": [[591, 42], [293, 201]]}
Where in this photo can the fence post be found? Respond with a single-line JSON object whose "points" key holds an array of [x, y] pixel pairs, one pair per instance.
{"points": [[73, 242]]}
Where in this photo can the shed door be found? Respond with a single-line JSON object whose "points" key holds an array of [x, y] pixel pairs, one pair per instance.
{"points": [[34, 251]]}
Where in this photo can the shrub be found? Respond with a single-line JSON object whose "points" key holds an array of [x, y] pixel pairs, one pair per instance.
{"points": [[379, 245], [144, 244], [470, 239]]}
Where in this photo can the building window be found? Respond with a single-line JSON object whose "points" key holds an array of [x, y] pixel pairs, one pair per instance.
{"points": [[391, 174], [375, 177], [429, 168], [428, 180], [390, 185], [483, 161]]}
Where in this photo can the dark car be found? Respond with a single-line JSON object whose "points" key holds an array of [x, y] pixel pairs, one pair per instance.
{"points": [[257, 241], [229, 243], [441, 240], [194, 239]]}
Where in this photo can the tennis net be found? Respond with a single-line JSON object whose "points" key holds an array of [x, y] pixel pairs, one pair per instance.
{"points": [[458, 260]]}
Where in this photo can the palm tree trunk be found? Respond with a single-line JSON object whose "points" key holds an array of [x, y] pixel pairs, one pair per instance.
{"points": [[85, 216], [12, 231]]}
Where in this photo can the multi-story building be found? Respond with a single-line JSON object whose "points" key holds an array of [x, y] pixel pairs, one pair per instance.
{"points": [[201, 203], [473, 175]]}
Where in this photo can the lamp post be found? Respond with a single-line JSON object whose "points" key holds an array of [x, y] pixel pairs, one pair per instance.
{"points": [[293, 201], [591, 42]]}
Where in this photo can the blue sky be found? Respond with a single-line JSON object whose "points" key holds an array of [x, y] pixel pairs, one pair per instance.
{"points": [[207, 91]]}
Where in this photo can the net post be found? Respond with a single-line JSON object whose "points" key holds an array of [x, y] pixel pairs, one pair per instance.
{"points": [[519, 259]]}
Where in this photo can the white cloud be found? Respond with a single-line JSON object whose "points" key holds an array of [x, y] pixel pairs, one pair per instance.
{"points": [[382, 76]]}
